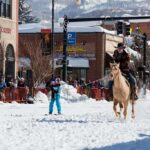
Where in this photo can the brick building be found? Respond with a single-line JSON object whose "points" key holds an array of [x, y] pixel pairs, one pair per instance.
{"points": [[143, 25], [86, 58], [8, 38]]}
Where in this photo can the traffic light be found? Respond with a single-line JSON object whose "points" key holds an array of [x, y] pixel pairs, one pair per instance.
{"points": [[127, 29], [78, 2], [119, 27]]}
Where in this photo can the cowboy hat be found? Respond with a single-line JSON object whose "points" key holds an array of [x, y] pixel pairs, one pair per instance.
{"points": [[120, 45]]}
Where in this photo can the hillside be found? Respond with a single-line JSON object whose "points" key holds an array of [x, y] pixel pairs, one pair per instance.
{"points": [[90, 8]]}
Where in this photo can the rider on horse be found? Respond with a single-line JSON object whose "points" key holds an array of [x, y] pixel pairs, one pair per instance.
{"points": [[122, 57]]}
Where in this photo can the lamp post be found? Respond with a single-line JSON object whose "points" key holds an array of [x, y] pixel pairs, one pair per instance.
{"points": [[65, 48], [144, 62], [52, 40]]}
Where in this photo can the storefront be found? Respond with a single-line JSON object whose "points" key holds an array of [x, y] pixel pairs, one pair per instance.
{"points": [[77, 68], [86, 58]]}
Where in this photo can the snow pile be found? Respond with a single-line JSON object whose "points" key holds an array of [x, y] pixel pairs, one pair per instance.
{"points": [[69, 94], [40, 98]]}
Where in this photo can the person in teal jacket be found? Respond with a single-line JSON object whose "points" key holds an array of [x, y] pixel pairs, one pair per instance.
{"points": [[55, 96]]}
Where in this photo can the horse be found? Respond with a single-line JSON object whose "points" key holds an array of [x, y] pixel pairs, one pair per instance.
{"points": [[122, 92]]}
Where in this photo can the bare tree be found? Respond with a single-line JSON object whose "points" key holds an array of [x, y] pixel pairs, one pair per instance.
{"points": [[41, 65]]}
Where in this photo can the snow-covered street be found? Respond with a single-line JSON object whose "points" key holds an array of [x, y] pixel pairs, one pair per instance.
{"points": [[83, 126]]}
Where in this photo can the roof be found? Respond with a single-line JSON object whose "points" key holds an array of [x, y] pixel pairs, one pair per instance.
{"points": [[72, 27]]}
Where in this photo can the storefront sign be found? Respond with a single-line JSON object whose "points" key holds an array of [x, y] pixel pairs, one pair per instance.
{"points": [[73, 49], [46, 30], [78, 50], [5, 30]]}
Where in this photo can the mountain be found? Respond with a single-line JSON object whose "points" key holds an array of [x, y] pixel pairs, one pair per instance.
{"points": [[89, 8]]}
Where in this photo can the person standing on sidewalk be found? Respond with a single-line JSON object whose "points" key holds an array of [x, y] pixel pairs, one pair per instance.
{"points": [[55, 96], [2, 89]]}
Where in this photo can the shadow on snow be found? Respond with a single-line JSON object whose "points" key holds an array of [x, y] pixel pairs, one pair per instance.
{"points": [[142, 144]]}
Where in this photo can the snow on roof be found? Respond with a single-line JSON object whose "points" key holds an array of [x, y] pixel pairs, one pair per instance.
{"points": [[139, 20], [72, 27]]}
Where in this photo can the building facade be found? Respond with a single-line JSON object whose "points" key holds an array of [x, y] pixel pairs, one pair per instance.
{"points": [[86, 58], [8, 38]]}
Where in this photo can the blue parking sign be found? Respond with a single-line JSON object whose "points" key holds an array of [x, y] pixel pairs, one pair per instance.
{"points": [[71, 38]]}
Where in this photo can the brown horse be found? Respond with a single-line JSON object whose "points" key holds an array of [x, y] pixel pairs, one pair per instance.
{"points": [[121, 91]]}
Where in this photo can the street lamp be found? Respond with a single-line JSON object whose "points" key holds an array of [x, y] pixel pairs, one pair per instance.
{"points": [[65, 23], [52, 40]]}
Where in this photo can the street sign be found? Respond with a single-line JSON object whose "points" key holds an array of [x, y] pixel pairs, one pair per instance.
{"points": [[71, 38]]}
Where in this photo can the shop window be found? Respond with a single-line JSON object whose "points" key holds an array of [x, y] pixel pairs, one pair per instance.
{"points": [[83, 74]]}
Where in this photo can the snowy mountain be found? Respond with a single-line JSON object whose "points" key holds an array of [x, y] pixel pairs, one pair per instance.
{"points": [[90, 8]]}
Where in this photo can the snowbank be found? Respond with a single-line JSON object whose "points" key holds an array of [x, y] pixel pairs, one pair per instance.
{"points": [[40, 98], [69, 94]]}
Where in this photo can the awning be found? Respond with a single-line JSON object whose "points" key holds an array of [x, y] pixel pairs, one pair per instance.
{"points": [[74, 62], [78, 62]]}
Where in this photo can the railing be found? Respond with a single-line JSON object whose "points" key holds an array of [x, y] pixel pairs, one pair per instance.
{"points": [[15, 94], [20, 94], [96, 93]]}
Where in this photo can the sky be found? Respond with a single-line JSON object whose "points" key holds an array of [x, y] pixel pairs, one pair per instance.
{"points": [[85, 124]]}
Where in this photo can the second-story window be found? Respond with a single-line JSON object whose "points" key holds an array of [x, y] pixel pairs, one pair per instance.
{"points": [[6, 8]]}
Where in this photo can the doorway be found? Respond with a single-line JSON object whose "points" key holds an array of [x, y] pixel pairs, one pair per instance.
{"points": [[9, 63]]}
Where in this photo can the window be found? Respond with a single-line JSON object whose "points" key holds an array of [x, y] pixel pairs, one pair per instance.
{"points": [[83, 74], [6, 8]]}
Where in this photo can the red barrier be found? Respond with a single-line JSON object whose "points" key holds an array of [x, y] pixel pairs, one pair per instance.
{"points": [[82, 90], [96, 93], [107, 94], [16, 94], [22, 94]]}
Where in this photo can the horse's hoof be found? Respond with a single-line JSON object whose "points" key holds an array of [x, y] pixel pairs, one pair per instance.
{"points": [[133, 116]]}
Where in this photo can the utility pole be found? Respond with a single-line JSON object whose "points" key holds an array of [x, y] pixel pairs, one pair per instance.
{"points": [[144, 61], [65, 48], [52, 40]]}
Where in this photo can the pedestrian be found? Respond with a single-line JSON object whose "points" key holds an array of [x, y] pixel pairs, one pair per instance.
{"points": [[55, 96], [21, 82], [12, 89], [2, 89]]}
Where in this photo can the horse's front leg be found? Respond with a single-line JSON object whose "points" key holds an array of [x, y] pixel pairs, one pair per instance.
{"points": [[114, 107], [125, 109], [121, 107]]}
